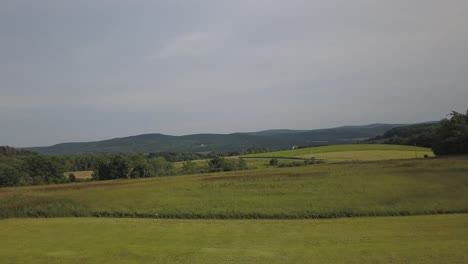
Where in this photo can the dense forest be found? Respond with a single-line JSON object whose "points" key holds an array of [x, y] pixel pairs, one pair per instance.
{"points": [[413, 135], [22, 167], [447, 137], [270, 140]]}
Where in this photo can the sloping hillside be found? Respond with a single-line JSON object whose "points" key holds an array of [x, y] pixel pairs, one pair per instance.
{"points": [[271, 140]]}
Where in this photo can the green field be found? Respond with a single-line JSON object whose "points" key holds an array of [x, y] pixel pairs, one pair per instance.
{"points": [[415, 239], [264, 215], [398, 187], [354, 152]]}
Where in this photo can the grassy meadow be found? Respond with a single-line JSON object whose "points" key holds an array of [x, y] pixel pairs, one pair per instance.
{"points": [[330, 154], [352, 152], [381, 188], [415, 239], [320, 213]]}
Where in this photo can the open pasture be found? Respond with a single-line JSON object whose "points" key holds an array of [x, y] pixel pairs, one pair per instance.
{"points": [[383, 188], [352, 152], [414, 239]]}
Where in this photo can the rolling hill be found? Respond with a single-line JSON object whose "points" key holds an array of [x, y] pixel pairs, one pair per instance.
{"points": [[270, 139]]}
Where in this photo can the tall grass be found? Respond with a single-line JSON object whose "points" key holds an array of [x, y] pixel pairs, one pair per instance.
{"points": [[386, 188]]}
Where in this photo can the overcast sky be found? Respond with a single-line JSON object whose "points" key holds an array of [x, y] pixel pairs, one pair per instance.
{"points": [[88, 70]]}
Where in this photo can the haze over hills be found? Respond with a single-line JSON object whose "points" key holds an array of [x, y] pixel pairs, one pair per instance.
{"points": [[276, 139]]}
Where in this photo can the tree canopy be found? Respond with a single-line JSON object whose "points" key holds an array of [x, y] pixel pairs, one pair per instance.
{"points": [[451, 136]]}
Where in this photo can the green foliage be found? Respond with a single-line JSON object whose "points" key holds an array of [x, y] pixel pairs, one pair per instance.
{"points": [[72, 177], [412, 135], [219, 163], [161, 167], [312, 161], [43, 170], [189, 167], [141, 168], [10, 176], [242, 164], [290, 164], [451, 137], [10, 151], [117, 167], [178, 156], [216, 164], [274, 162], [218, 143]]}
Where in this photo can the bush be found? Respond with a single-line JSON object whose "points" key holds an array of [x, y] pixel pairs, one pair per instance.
{"points": [[274, 162], [221, 164], [242, 164], [72, 177], [290, 164]]}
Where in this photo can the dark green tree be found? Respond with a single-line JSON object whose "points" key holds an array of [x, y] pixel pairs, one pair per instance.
{"points": [[274, 162], [141, 168], [117, 167], [189, 167], [10, 176], [451, 136], [161, 166], [216, 164], [43, 170], [72, 177]]}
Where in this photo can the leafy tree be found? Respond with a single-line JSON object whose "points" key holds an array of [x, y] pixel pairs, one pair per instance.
{"points": [[230, 165], [140, 167], [10, 176], [216, 164], [219, 163], [451, 137], [189, 167], [242, 164], [43, 170], [72, 177], [161, 166], [117, 167]]}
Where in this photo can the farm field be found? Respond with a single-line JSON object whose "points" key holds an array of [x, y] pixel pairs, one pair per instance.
{"points": [[253, 163], [381, 188], [82, 175], [414, 239], [330, 154], [354, 152]]}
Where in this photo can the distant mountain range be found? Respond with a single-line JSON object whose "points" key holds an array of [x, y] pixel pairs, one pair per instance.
{"points": [[276, 139]]}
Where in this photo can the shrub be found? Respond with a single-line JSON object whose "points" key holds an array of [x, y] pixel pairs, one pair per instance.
{"points": [[274, 162], [72, 177]]}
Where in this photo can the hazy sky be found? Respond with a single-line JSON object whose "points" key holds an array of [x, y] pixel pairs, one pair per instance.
{"points": [[88, 70]]}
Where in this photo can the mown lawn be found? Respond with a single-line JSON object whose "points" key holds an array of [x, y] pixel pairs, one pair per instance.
{"points": [[399, 187], [415, 239]]}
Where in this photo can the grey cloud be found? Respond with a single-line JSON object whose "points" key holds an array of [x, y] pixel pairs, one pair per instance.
{"points": [[84, 70]]}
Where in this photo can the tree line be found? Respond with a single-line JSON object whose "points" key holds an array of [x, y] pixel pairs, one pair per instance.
{"points": [[447, 137], [21, 167]]}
